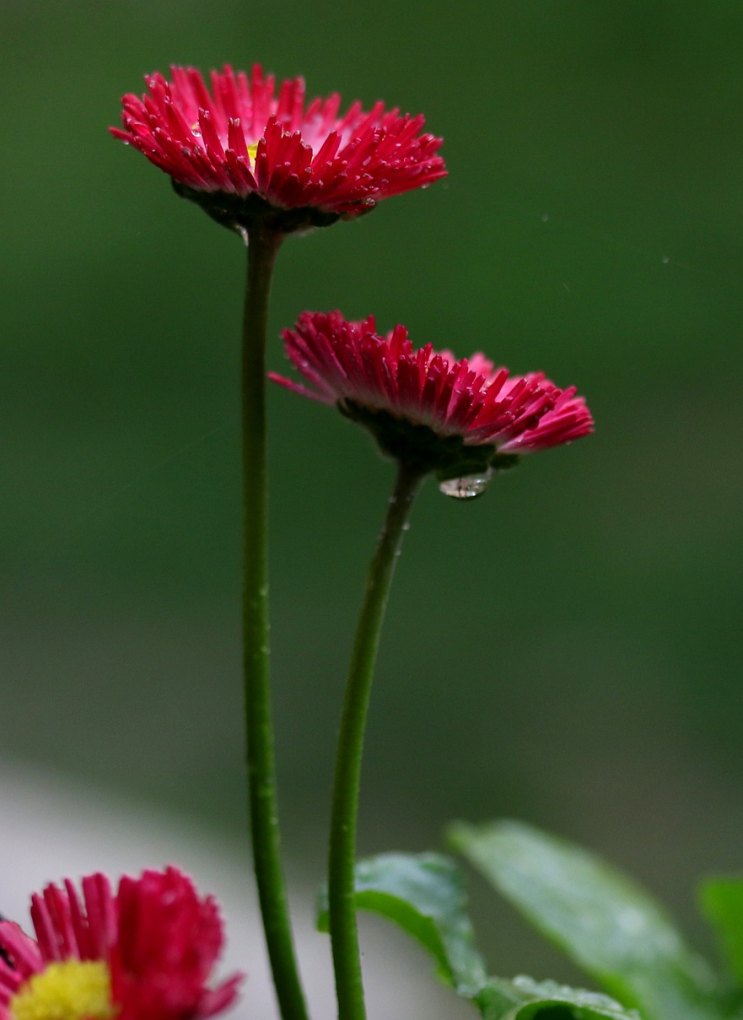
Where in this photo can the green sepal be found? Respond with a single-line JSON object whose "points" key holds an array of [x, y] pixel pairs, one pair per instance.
{"points": [[603, 921], [496, 462], [242, 213], [423, 450]]}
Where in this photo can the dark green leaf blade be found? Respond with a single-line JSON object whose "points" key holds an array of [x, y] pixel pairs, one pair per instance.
{"points": [[526, 999], [424, 894], [603, 921], [722, 904]]}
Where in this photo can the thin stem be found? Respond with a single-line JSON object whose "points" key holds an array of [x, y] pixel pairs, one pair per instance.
{"points": [[262, 248], [342, 859]]}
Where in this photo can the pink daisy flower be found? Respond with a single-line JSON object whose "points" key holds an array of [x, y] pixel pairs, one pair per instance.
{"points": [[243, 146], [456, 417], [144, 953]]}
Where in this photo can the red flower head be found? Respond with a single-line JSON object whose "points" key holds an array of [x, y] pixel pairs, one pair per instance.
{"points": [[244, 148], [461, 418], [145, 953]]}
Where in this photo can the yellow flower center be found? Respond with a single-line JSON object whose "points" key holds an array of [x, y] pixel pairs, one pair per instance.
{"points": [[253, 152], [73, 990]]}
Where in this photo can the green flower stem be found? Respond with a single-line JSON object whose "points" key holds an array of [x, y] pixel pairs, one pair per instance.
{"points": [[342, 859], [263, 245]]}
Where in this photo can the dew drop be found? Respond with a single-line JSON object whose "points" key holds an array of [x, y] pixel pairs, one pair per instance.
{"points": [[468, 486]]}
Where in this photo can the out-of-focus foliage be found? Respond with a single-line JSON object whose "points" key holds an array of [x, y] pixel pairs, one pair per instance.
{"points": [[609, 926]]}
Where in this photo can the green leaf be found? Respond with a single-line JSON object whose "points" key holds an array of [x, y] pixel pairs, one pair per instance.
{"points": [[424, 894], [524, 999], [603, 921], [722, 903]]}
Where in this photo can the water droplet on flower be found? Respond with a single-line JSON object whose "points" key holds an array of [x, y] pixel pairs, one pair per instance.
{"points": [[468, 486]]}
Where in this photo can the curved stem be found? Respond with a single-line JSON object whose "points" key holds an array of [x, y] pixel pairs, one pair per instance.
{"points": [[262, 248], [342, 859]]}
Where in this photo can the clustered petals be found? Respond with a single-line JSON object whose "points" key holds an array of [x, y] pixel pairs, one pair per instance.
{"points": [[350, 364], [245, 137], [155, 941]]}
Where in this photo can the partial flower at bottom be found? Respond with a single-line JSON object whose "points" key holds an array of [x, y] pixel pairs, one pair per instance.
{"points": [[426, 407], [145, 952]]}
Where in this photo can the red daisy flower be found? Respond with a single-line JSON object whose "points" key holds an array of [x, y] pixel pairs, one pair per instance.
{"points": [[425, 407], [145, 953], [244, 146]]}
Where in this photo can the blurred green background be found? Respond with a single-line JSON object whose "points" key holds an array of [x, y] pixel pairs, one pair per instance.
{"points": [[566, 649]]}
